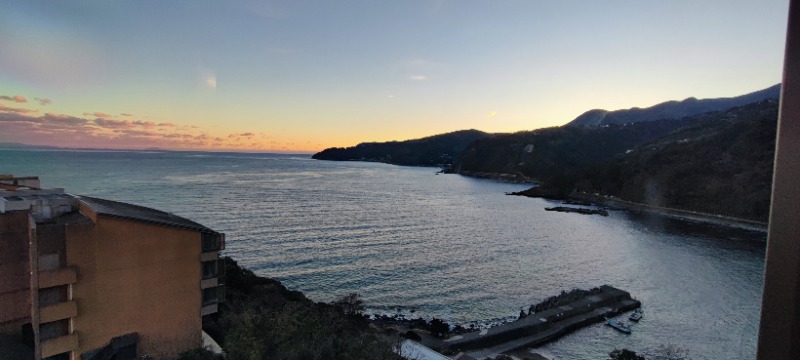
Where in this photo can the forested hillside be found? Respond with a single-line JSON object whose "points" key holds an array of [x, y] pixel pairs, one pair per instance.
{"points": [[559, 152], [717, 162], [437, 150], [720, 164]]}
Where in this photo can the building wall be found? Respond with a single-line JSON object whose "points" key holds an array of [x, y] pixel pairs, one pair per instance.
{"points": [[15, 298], [136, 277]]}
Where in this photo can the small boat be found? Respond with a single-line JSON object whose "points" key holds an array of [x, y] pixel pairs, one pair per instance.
{"points": [[636, 315], [618, 325]]}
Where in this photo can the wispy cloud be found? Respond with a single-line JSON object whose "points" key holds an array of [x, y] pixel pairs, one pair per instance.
{"points": [[63, 119], [418, 77], [147, 124], [122, 124], [16, 98], [491, 113], [44, 101], [126, 114], [16, 110], [95, 129], [99, 115], [246, 134], [207, 77]]}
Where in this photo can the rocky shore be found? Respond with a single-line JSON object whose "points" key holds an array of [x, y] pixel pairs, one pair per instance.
{"points": [[515, 178], [582, 211], [619, 204], [612, 203]]}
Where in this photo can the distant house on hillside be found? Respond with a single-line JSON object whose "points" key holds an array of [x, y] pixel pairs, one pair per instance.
{"points": [[88, 278]]}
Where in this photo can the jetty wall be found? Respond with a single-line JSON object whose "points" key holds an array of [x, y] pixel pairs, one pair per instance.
{"points": [[538, 328]]}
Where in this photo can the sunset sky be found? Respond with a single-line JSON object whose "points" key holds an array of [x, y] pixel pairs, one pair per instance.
{"points": [[301, 76]]}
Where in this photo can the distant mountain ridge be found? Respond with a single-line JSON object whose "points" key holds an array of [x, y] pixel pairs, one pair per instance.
{"points": [[437, 150], [671, 109]]}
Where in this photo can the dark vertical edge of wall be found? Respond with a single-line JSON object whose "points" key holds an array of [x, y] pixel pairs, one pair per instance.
{"points": [[779, 333], [33, 250]]}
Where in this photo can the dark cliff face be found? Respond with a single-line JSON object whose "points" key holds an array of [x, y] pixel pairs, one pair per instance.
{"points": [[438, 150], [671, 109]]}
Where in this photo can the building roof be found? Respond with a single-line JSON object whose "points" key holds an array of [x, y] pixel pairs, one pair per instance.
{"points": [[140, 213]]}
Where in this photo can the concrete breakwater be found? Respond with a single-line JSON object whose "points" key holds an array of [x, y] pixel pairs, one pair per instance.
{"points": [[582, 211], [538, 328]]}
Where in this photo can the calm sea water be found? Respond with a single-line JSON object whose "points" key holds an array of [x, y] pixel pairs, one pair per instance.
{"points": [[420, 244]]}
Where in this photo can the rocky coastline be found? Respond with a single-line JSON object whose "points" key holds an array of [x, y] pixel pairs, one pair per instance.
{"points": [[680, 214], [582, 211], [606, 203], [542, 322]]}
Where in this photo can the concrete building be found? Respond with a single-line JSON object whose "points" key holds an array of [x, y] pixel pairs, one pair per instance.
{"points": [[87, 278]]}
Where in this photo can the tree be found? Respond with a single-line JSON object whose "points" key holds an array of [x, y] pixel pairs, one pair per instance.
{"points": [[624, 354], [668, 352], [439, 327], [351, 304]]}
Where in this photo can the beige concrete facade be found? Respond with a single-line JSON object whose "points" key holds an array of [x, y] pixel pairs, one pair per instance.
{"points": [[15, 299], [79, 272], [136, 277]]}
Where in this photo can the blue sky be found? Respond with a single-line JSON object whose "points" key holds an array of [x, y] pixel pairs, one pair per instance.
{"points": [[305, 75]]}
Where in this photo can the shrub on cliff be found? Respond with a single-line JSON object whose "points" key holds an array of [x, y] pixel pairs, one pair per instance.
{"points": [[439, 327], [262, 319], [662, 352], [350, 304], [624, 354]]}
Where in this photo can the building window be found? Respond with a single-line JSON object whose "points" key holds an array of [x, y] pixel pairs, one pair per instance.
{"points": [[53, 295], [210, 269], [54, 329], [209, 296], [213, 295], [211, 242]]}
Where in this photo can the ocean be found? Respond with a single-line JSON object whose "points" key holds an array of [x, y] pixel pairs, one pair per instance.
{"points": [[418, 244]]}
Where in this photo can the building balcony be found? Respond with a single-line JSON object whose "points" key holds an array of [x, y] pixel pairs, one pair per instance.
{"points": [[59, 311], [209, 309], [212, 269], [212, 242], [57, 277], [59, 345], [209, 256], [212, 296], [207, 283]]}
